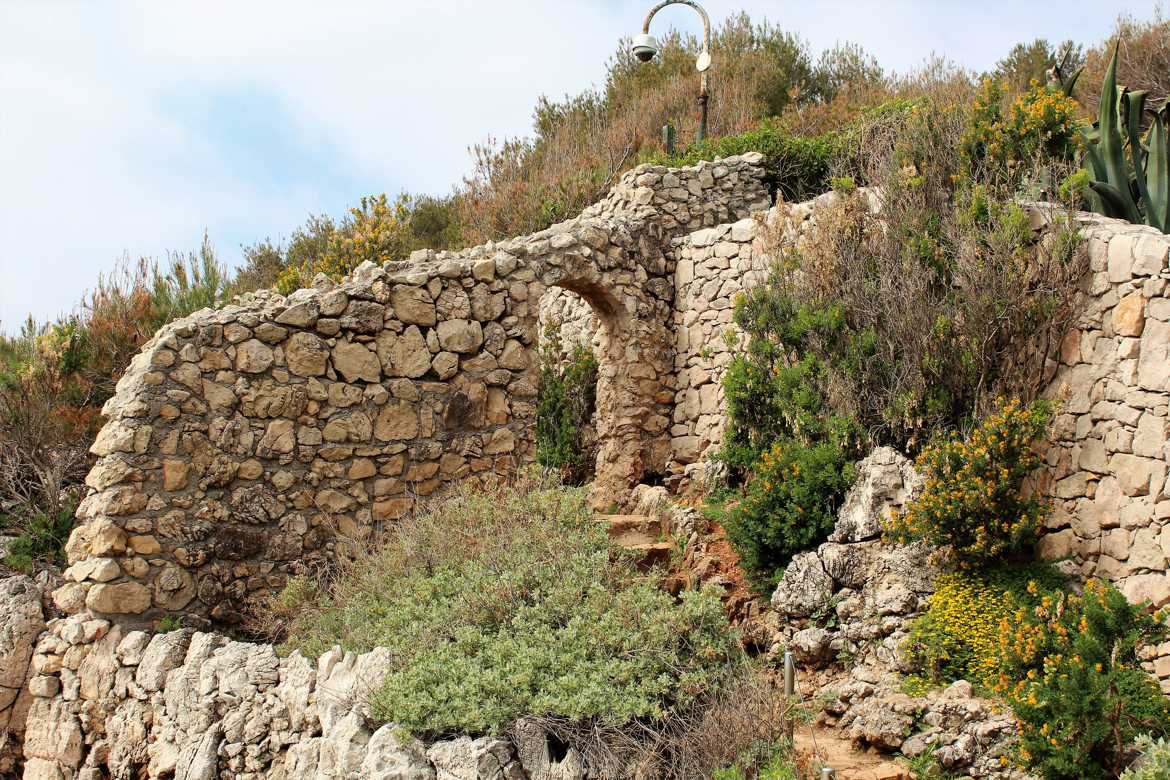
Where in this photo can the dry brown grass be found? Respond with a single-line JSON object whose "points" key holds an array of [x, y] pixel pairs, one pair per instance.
{"points": [[1143, 62], [743, 725]]}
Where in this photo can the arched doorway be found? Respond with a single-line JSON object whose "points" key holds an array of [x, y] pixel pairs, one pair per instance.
{"points": [[628, 330]]}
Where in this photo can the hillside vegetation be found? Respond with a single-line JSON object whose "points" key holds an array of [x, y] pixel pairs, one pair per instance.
{"points": [[803, 109]]}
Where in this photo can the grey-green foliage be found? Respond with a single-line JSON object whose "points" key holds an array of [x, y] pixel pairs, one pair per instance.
{"points": [[1154, 763], [1130, 173], [511, 601]]}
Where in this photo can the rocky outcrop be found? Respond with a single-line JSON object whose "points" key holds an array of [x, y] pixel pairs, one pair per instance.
{"points": [[112, 703], [844, 611], [22, 620]]}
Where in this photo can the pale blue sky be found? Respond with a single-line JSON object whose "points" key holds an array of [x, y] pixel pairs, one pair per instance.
{"points": [[130, 127]]}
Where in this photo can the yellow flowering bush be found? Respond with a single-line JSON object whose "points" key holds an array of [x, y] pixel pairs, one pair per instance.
{"points": [[1070, 671], [971, 500], [1042, 122], [957, 638], [377, 230]]}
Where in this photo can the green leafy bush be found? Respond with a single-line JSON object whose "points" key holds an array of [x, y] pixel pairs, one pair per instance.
{"points": [[796, 166], [41, 539], [957, 637], [510, 600], [971, 502], [1069, 669], [790, 505], [566, 399], [1154, 763], [779, 767]]}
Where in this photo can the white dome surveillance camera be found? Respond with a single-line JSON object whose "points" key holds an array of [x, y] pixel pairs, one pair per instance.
{"points": [[645, 47]]}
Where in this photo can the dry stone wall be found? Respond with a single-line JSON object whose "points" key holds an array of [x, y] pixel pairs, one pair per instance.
{"points": [[1108, 467], [250, 442]]}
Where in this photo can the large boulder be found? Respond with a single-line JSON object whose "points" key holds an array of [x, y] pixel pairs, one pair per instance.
{"points": [[805, 587], [886, 481]]}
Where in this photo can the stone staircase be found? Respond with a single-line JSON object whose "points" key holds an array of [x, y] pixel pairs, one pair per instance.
{"points": [[646, 536]]}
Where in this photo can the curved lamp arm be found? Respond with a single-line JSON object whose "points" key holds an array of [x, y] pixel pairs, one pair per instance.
{"points": [[703, 93]]}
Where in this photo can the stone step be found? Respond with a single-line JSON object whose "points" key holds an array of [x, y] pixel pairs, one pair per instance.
{"points": [[634, 530], [641, 534]]}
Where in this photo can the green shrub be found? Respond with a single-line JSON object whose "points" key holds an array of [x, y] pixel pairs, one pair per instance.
{"points": [[957, 637], [971, 501], [1069, 669], [41, 540], [781, 431], [566, 399], [1154, 763], [796, 166], [790, 505], [777, 388], [510, 600], [779, 767]]}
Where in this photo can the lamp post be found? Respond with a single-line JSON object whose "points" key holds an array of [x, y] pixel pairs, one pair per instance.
{"points": [[645, 47]]}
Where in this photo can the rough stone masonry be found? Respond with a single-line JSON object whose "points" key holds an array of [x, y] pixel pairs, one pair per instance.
{"points": [[244, 443], [247, 442]]}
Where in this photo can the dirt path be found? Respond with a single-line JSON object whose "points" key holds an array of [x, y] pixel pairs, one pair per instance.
{"points": [[824, 747]]}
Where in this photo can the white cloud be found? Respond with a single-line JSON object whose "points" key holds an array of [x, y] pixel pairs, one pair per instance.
{"points": [[99, 155]]}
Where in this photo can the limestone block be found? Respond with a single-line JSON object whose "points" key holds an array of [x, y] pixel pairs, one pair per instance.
{"points": [[300, 315], [356, 362], [413, 305], [1150, 438], [1154, 361], [1120, 262], [1058, 546], [444, 364], [278, 438], [306, 355], [1129, 315], [1115, 543], [1133, 473], [406, 354], [462, 336], [253, 357], [1154, 588], [1149, 255], [121, 598], [1146, 551], [363, 317], [396, 422]]}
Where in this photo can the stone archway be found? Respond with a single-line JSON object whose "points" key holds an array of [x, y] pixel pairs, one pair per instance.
{"points": [[634, 350]]}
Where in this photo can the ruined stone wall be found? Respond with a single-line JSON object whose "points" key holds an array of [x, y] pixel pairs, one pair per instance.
{"points": [[255, 440], [1108, 461], [715, 265]]}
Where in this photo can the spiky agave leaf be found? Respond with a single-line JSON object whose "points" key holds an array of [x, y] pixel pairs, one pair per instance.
{"points": [[1158, 172], [1111, 148]]}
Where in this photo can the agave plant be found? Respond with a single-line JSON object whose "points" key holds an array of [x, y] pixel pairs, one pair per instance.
{"points": [[1129, 173]]}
